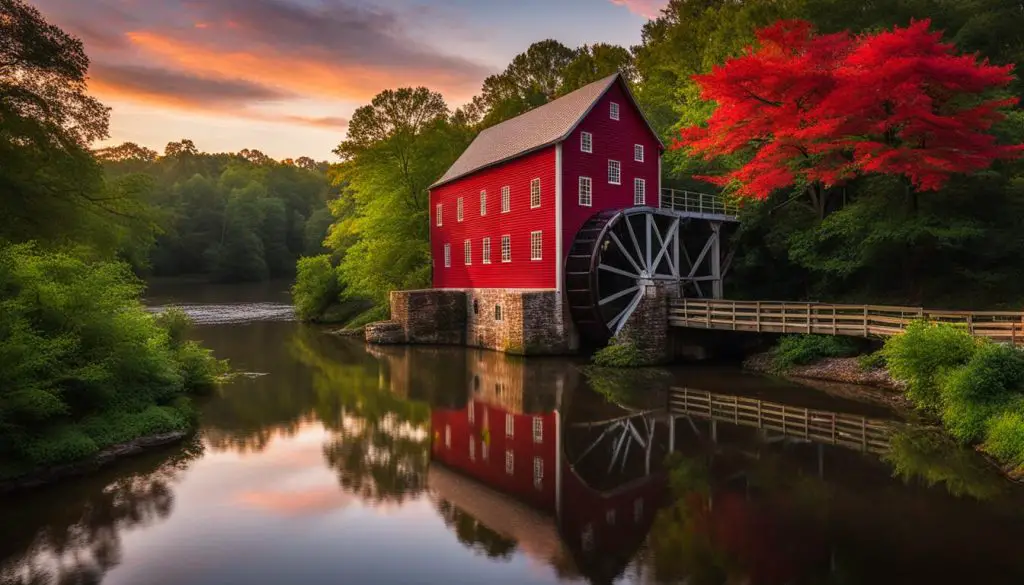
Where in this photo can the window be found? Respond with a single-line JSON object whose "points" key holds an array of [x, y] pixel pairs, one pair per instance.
{"points": [[472, 450], [486, 246], [536, 242], [497, 313], [586, 192], [506, 199], [448, 436], [609, 517], [484, 450], [586, 142], [510, 425], [538, 429], [638, 509], [510, 464], [470, 410], [476, 311], [638, 152], [438, 213], [468, 245], [458, 211], [447, 255], [483, 203], [639, 192], [538, 472], [614, 177], [506, 248], [535, 193], [613, 111]]}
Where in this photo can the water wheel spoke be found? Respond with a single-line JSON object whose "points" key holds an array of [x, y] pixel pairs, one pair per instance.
{"points": [[615, 325], [636, 243], [624, 252], [665, 244], [618, 295], [618, 271]]}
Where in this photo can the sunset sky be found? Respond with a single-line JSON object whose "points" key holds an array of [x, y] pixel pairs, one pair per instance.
{"points": [[283, 76]]}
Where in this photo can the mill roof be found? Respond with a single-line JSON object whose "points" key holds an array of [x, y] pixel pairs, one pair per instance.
{"points": [[542, 126]]}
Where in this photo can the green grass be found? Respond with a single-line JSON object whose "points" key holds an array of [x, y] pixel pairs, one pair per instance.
{"points": [[799, 350], [618, 355]]}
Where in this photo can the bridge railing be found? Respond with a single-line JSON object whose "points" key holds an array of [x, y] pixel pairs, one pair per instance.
{"points": [[837, 319], [831, 428], [694, 202]]}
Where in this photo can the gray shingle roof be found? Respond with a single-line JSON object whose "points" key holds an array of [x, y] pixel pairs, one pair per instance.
{"points": [[535, 129]]}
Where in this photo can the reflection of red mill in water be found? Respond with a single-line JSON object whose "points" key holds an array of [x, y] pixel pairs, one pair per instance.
{"points": [[506, 466]]}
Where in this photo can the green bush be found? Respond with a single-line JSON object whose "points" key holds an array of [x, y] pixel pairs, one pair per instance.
{"points": [[618, 355], [798, 350], [79, 352], [924, 354], [974, 393], [369, 316], [316, 287], [1005, 438], [872, 361]]}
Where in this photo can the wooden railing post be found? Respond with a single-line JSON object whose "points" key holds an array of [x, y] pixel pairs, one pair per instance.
{"points": [[758, 316], [865, 322], [809, 318]]}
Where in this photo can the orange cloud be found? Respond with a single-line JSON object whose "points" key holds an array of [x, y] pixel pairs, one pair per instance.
{"points": [[647, 8], [297, 503]]}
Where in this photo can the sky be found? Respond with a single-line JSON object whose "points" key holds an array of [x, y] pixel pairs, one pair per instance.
{"points": [[284, 76]]}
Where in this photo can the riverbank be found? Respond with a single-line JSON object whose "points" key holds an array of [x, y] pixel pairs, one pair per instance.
{"points": [[105, 457]]}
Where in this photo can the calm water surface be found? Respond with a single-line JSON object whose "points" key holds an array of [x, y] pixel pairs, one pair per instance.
{"points": [[332, 462]]}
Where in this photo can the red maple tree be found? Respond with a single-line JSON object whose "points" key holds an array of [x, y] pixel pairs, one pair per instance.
{"points": [[815, 111]]}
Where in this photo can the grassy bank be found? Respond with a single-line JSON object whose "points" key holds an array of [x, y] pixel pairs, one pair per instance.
{"points": [[83, 366]]}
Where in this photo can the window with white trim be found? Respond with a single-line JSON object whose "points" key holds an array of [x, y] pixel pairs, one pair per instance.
{"points": [[639, 192], [486, 247], [614, 177], [613, 110], [448, 436], [538, 429], [538, 472], [506, 248], [536, 245], [472, 450], [535, 193], [586, 192], [510, 462], [447, 255], [510, 426], [483, 203], [438, 208], [586, 142], [506, 199], [485, 451], [458, 210], [638, 152], [471, 411], [468, 246]]}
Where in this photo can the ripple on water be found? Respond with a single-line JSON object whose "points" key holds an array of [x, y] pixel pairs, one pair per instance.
{"points": [[235, 312]]}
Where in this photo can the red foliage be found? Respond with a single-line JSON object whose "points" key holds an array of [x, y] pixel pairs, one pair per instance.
{"points": [[825, 108]]}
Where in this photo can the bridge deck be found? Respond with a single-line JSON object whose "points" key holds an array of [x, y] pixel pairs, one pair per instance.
{"points": [[845, 430], [836, 319]]}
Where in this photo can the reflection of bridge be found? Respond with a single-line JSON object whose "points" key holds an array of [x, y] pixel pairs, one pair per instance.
{"points": [[824, 427]]}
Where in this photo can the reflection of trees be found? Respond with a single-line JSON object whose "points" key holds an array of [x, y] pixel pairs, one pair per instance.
{"points": [[79, 540], [931, 457], [474, 535]]}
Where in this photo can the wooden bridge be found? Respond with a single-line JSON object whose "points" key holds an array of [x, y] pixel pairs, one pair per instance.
{"points": [[831, 428], [836, 319]]}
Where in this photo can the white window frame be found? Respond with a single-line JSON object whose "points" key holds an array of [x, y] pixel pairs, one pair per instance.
{"points": [[439, 213], [506, 199], [586, 192], [586, 142], [614, 173], [467, 248], [639, 191], [535, 193], [447, 255], [536, 245], [470, 411], [638, 152], [613, 111], [485, 253], [510, 462], [472, 449], [484, 450], [538, 430], [538, 472], [483, 203], [510, 425], [458, 211], [506, 248], [447, 436]]}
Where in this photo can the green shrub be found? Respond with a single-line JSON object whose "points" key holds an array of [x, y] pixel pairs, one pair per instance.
{"points": [[316, 287], [924, 354], [177, 323], [798, 350], [62, 445], [872, 361], [618, 355], [369, 316], [1005, 438]]}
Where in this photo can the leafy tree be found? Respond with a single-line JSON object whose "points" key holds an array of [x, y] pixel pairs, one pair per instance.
{"points": [[533, 78]]}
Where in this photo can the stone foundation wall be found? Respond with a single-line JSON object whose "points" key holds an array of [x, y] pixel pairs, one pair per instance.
{"points": [[647, 328], [435, 317]]}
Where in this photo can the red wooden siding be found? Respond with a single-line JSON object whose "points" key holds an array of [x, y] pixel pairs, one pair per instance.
{"points": [[491, 470], [613, 140], [521, 272]]}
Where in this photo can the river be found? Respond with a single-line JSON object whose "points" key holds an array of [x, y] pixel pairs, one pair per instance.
{"points": [[332, 462]]}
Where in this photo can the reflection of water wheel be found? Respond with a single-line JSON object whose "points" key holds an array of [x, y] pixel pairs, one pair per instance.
{"points": [[616, 255]]}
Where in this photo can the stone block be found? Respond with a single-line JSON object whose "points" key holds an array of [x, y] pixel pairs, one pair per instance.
{"points": [[385, 333]]}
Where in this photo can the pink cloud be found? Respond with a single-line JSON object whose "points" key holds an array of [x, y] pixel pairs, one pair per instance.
{"points": [[647, 8]]}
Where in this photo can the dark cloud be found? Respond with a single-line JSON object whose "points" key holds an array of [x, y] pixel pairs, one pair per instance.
{"points": [[176, 85]]}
